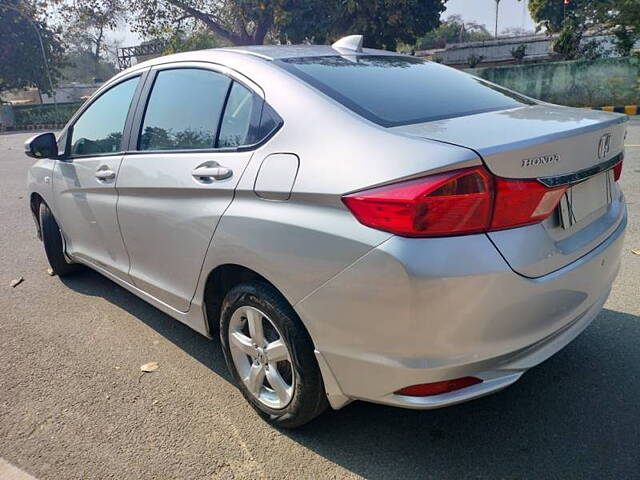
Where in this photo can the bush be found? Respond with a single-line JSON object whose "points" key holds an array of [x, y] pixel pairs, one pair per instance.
{"points": [[48, 114], [519, 52], [474, 60]]}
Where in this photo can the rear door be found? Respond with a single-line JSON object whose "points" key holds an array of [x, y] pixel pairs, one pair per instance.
{"points": [[192, 146]]}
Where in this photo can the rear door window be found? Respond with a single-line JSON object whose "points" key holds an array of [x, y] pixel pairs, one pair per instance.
{"points": [[235, 129], [247, 120], [400, 90], [184, 110]]}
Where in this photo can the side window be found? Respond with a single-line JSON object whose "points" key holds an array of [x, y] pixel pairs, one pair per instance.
{"points": [[269, 121], [99, 129], [236, 122], [184, 110], [240, 125]]}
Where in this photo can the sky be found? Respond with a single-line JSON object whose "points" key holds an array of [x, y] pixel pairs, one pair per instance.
{"points": [[513, 13]]}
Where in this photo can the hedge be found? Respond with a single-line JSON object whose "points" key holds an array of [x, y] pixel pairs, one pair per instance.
{"points": [[35, 115]]}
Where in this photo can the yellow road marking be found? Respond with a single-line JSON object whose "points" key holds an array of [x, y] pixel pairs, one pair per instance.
{"points": [[632, 145]]}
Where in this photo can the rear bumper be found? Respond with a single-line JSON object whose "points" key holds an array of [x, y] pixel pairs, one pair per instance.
{"points": [[424, 310]]}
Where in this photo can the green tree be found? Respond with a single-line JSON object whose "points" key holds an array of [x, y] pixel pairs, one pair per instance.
{"points": [[519, 52], [241, 22], [88, 22], [81, 66], [384, 23], [573, 19], [625, 23], [453, 30], [21, 60], [244, 22], [189, 40]]}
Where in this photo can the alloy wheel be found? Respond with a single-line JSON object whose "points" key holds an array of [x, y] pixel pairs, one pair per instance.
{"points": [[261, 357]]}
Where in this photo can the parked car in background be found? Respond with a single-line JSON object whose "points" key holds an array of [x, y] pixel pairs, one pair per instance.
{"points": [[354, 224]]}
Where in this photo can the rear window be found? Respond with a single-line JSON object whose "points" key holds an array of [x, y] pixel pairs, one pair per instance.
{"points": [[395, 90]]}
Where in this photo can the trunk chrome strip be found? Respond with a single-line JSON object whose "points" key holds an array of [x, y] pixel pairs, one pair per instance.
{"points": [[580, 175]]}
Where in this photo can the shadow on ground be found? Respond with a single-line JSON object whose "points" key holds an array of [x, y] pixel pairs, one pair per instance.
{"points": [[575, 416], [88, 282]]}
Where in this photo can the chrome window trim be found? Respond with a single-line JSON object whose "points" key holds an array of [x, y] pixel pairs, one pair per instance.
{"points": [[558, 180], [215, 67]]}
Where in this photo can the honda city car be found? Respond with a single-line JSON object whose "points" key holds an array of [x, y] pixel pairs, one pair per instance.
{"points": [[354, 224]]}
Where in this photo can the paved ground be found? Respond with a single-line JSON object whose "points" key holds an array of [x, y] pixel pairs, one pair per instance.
{"points": [[73, 405]]}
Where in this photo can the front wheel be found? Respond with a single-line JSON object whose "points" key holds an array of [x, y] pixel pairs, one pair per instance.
{"points": [[53, 243], [270, 356]]}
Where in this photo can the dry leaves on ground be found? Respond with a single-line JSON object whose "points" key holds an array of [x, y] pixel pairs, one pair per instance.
{"points": [[150, 367]]}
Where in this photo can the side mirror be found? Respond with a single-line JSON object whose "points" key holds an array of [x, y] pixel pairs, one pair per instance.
{"points": [[42, 146]]}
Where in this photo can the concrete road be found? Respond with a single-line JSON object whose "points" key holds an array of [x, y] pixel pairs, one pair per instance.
{"points": [[74, 405]]}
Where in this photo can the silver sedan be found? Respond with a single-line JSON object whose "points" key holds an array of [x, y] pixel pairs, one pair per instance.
{"points": [[354, 224]]}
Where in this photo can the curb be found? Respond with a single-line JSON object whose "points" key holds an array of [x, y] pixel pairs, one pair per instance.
{"points": [[628, 109]]}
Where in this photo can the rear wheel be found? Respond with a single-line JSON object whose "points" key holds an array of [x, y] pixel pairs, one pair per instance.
{"points": [[53, 243], [270, 355]]}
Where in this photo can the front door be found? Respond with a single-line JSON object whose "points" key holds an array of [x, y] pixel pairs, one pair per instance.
{"points": [[181, 177], [84, 182]]}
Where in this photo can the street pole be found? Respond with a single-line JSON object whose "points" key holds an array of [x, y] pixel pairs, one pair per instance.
{"points": [[497, 7], [42, 50]]}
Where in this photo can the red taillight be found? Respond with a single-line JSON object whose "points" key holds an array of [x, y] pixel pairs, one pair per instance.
{"points": [[438, 388], [617, 171], [458, 202], [523, 202], [443, 204]]}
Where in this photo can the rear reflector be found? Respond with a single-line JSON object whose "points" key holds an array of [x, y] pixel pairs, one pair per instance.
{"points": [[470, 200], [438, 388]]}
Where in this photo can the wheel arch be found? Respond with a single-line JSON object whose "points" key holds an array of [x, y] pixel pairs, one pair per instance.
{"points": [[222, 279], [35, 200]]}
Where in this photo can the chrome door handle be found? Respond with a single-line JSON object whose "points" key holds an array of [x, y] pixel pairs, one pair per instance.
{"points": [[219, 173], [105, 174]]}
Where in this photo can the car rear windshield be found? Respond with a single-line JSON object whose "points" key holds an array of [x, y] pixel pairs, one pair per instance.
{"points": [[399, 90]]}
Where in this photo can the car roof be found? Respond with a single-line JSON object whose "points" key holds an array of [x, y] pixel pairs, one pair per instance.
{"points": [[278, 52], [264, 52], [230, 55]]}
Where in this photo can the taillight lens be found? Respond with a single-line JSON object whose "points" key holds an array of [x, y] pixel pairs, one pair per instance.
{"points": [[617, 171], [448, 203], [458, 202], [523, 202]]}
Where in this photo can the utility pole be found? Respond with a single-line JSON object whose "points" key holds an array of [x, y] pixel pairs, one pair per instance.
{"points": [[497, 8]]}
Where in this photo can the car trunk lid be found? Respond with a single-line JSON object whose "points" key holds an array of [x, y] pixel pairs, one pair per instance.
{"points": [[554, 144]]}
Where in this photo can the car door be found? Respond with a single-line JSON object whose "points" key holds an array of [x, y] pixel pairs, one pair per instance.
{"points": [[84, 180], [180, 174]]}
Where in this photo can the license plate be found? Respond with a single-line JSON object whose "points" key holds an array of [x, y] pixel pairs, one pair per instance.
{"points": [[585, 198]]}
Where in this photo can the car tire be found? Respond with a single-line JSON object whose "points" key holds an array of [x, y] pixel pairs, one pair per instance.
{"points": [[53, 243], [300, 372]]}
